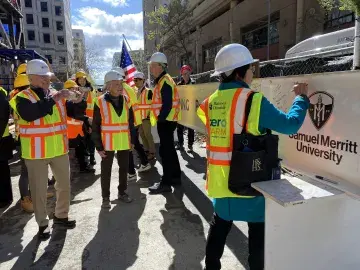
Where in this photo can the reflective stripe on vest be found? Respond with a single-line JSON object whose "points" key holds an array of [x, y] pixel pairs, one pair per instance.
{"points": [[6, 131], [130, 94], [45, 137], [175, 113], [220, 147], [145, 104], [90, 100], [115, 131]]}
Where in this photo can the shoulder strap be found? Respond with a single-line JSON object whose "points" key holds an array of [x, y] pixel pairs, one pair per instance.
{"points": [[247, 112]]}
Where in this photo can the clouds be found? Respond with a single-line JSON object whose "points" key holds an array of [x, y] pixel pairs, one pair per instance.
{"points": [[103, 33], [114, 3]]}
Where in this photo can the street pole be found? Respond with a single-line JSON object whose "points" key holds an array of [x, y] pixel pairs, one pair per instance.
{"points": [[268, 37]]}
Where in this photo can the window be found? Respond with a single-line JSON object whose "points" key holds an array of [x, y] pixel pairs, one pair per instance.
{"points": [[210, 51], [45, 22], [31, 35], [59, 26], [49, 57], [43, 6], [338, 19], [46, 38], [58, 10], [62, 60], [61, 40], [28, 3], [77, 35], [29, 19], [258, 38]]}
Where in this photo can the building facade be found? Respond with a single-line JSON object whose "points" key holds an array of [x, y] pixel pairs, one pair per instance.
{"points": [[219, 22], [47, 27], [79, 50]]}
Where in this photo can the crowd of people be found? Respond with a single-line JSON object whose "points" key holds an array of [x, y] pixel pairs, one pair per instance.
{"points": [[53, 125]]}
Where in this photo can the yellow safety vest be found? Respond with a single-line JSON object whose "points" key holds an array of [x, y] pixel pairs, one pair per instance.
{"points": [[45, 137], [223, 114], [175, 113], [144, 104], [115, 133], [90, 101], [4, 91], [6, 131], [130, 94]]}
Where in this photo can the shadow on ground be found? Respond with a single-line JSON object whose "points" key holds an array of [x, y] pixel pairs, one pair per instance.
{"points": [[117, 239]]}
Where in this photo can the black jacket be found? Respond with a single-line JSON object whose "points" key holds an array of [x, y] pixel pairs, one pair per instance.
{"points": [[166, 97], [96, 124], [78, 112], [6, 143]]}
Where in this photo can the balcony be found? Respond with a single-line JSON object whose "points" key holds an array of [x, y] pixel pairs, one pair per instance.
{"points": [[12, 5]]}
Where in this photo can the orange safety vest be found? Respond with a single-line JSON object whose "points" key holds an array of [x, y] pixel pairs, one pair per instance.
{"points": [[74, 128], [175, 113], [90, 101], [145, 104]]}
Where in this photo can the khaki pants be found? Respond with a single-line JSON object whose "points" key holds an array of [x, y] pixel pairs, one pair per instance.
{"points": [[146, 136], [38, 179]]}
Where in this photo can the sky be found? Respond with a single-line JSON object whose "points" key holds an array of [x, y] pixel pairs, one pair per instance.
{"points": [[104, 22]]}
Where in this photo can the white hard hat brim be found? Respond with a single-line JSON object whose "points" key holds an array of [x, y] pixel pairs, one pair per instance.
{"points": [[50, 74], [218, 72]]}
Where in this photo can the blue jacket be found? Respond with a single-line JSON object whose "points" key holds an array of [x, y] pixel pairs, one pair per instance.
{"points": [[253, 210]]}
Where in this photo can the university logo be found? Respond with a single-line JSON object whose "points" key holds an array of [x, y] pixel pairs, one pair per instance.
{"points": [[321, 108], [256, 165]]}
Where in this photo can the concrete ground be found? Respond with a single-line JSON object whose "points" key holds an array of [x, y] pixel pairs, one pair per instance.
{"points": [[154, 232]]}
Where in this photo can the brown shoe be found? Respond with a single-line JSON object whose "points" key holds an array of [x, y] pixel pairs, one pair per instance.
{"points": [[27, 205]]}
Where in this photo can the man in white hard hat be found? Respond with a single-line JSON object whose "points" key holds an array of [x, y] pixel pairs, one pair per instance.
{"points": [[236, 155], [165, 113], [43, 134], [111, 133]]}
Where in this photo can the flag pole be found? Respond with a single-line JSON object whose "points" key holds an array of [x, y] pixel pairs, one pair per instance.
{"points": [[127, 42]]}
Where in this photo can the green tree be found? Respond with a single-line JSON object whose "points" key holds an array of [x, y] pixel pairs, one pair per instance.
{"points": [[170, 27], [353, 5]]}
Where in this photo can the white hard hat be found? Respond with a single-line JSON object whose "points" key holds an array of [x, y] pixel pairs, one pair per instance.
{"points": [[38, 67], [231, 57], [120, 70], [158, 57], [139, 75], [113, 75]]}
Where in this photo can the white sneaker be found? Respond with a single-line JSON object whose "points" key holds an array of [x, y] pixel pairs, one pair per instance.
{"points": [[144, 168], [132, 177]]}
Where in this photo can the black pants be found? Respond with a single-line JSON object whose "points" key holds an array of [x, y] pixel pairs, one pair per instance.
{"points": [[80, 149], [90, 146], [180, 134], [169, 158], [139, 150], [6, 195], [219, 229], [106, 166]]}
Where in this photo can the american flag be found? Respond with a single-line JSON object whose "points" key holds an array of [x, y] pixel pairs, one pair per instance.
{"points": [[127, 65]]}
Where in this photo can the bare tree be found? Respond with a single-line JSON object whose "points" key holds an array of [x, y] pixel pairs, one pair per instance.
{"points": [[171, 25], [353, 5]]}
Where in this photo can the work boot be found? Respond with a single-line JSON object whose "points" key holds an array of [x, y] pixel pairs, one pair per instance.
{"points": [[144, 168], [106, 203], [27, 205], [159, 188], [44, 233], [65, 222], [124, 198]]}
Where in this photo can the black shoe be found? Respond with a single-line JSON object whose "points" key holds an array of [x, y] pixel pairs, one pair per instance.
{"points": [[176, 181], [92, 161], [159, 188], [87, 170], [44, 233], [190, 149], [179, 147], [65, 222]]}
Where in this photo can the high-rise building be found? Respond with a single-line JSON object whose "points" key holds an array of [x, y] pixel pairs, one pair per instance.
{"points": [[215, 23], [79, 50], [47, 25], [116, 59]]}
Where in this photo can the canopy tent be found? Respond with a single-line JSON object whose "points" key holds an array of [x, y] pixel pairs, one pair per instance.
{"points": [[21, 55]]}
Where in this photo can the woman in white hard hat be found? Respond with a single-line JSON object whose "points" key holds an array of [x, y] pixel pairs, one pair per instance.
{"points": [[238, 156]]}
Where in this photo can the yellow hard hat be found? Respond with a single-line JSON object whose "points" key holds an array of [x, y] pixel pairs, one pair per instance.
{"points": [[80, 74], [70, 84], [21, 69], [21, 81]]}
